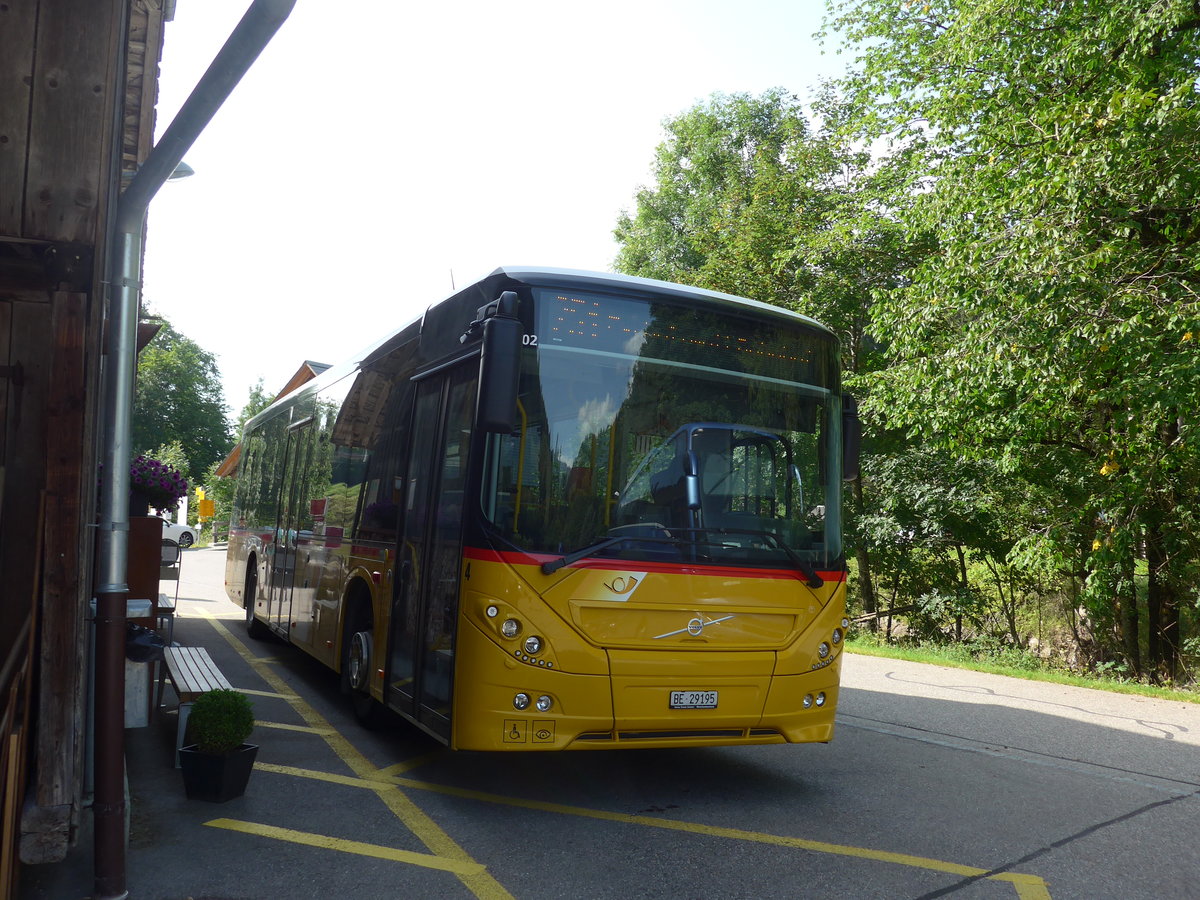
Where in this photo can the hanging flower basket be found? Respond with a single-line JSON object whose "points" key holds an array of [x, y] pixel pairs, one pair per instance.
{"points": [[154, 484]]}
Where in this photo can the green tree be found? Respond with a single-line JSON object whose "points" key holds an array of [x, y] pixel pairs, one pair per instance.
{"points": [[220, 490], [258, 400], [751, 198], [171, 453], [178, 398], [1053, 149]]}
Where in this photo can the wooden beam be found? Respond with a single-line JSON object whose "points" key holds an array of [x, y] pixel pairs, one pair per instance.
{"points": [[17, 21], [24, 462], [68, 475], [141, 89], [7, 391], [71, 120]]}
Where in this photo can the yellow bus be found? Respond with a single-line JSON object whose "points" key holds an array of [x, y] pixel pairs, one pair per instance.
{"points": [[563, 510]]}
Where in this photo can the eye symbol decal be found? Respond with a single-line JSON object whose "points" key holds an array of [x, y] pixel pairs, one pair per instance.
{"points": [[622, 585]]}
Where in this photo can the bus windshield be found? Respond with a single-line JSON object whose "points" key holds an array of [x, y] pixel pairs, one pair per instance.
{"points": [[665, 431]]}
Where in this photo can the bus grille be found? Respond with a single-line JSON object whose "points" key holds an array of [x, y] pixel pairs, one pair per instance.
{"points": [[731, 735]]}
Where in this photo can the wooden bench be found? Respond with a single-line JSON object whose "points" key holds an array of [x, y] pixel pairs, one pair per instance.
{"points": [[192, 673]]}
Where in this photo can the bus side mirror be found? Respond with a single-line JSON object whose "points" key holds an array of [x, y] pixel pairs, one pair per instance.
{"points": [[500, 368], [851, 438]]}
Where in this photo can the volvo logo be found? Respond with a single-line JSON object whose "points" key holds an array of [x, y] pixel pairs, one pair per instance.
{"points": [[695, 627]]}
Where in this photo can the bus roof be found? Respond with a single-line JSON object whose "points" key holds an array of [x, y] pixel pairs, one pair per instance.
{"points": [[540, 275]]}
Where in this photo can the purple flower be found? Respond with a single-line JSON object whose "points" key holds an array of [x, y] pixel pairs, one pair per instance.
{"points": [[159, 484]]}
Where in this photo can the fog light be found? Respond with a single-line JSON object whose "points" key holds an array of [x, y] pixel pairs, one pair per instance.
{"points": [[837, 635], [544, 703], [521, 701], [533, 645], [510, 628], [808, 701], [823, 650], [493, 611], [821, 699]]}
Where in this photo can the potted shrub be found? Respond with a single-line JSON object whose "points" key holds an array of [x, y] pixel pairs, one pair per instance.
{"points": [[216, 766]]}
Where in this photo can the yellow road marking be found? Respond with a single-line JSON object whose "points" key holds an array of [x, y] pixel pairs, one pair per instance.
{"points": [[348, 780], [481, 883], [386, 781], [281, 726], [1023, 883], [344, 846], [408, 765], [1028, 887], [288, 697]]}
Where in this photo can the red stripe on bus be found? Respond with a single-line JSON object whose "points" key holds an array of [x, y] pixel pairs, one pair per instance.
{"points": [[519, 558]]}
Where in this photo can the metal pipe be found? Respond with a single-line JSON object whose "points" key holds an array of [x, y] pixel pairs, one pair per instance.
{"points": [[252, 34]]}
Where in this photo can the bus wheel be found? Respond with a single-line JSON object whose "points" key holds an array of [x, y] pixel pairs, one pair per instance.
{"points": [[254, 628], [357, 661]]}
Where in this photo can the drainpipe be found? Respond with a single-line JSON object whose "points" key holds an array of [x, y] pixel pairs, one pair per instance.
{"points": [[248, 39]]}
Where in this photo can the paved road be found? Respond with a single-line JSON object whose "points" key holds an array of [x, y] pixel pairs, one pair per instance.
{"points": [[938, 783]]}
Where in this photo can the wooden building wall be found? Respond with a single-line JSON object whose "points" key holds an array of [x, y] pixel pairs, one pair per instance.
{"points": [[77, 88]]}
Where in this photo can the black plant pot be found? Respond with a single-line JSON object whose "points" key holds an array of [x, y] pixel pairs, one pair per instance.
{"points": [[216, 778]]}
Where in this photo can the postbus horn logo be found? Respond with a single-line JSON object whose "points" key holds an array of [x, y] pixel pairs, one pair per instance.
{"points": [[622, 584]]}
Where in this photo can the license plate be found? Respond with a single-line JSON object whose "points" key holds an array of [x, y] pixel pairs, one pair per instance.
{"points": [[693, 699]]}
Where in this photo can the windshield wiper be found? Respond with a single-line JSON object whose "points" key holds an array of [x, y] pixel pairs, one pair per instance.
{"points": [[804, 566], [603, 544], [549, 568]]}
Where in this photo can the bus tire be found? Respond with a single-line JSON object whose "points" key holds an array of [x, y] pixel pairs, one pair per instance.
{"points": [[357, 663], [254, 627]]}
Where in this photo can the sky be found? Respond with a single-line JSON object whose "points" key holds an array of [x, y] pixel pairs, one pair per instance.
{"points": [[379, 152]]}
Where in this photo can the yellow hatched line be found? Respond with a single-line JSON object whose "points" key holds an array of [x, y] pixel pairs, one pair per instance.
{"points": [[289, 697], [282, 726], [330, 777], [343, 846], [408, 765], [481, 883], [1028, 887]]}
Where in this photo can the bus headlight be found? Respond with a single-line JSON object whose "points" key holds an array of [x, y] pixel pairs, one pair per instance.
{"points": [[533, 645], [823, 650], [837, 635], [808, 701], [521, 701], [544, 703], [821, 699], [510, 628]]}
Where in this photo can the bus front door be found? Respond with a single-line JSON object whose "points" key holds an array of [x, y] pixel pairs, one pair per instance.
{"points": [[425, 610], [289, 531]]}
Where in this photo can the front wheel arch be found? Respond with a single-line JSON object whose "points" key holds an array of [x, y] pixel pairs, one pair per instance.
{"points": [[360, 656], [254, 627]]}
